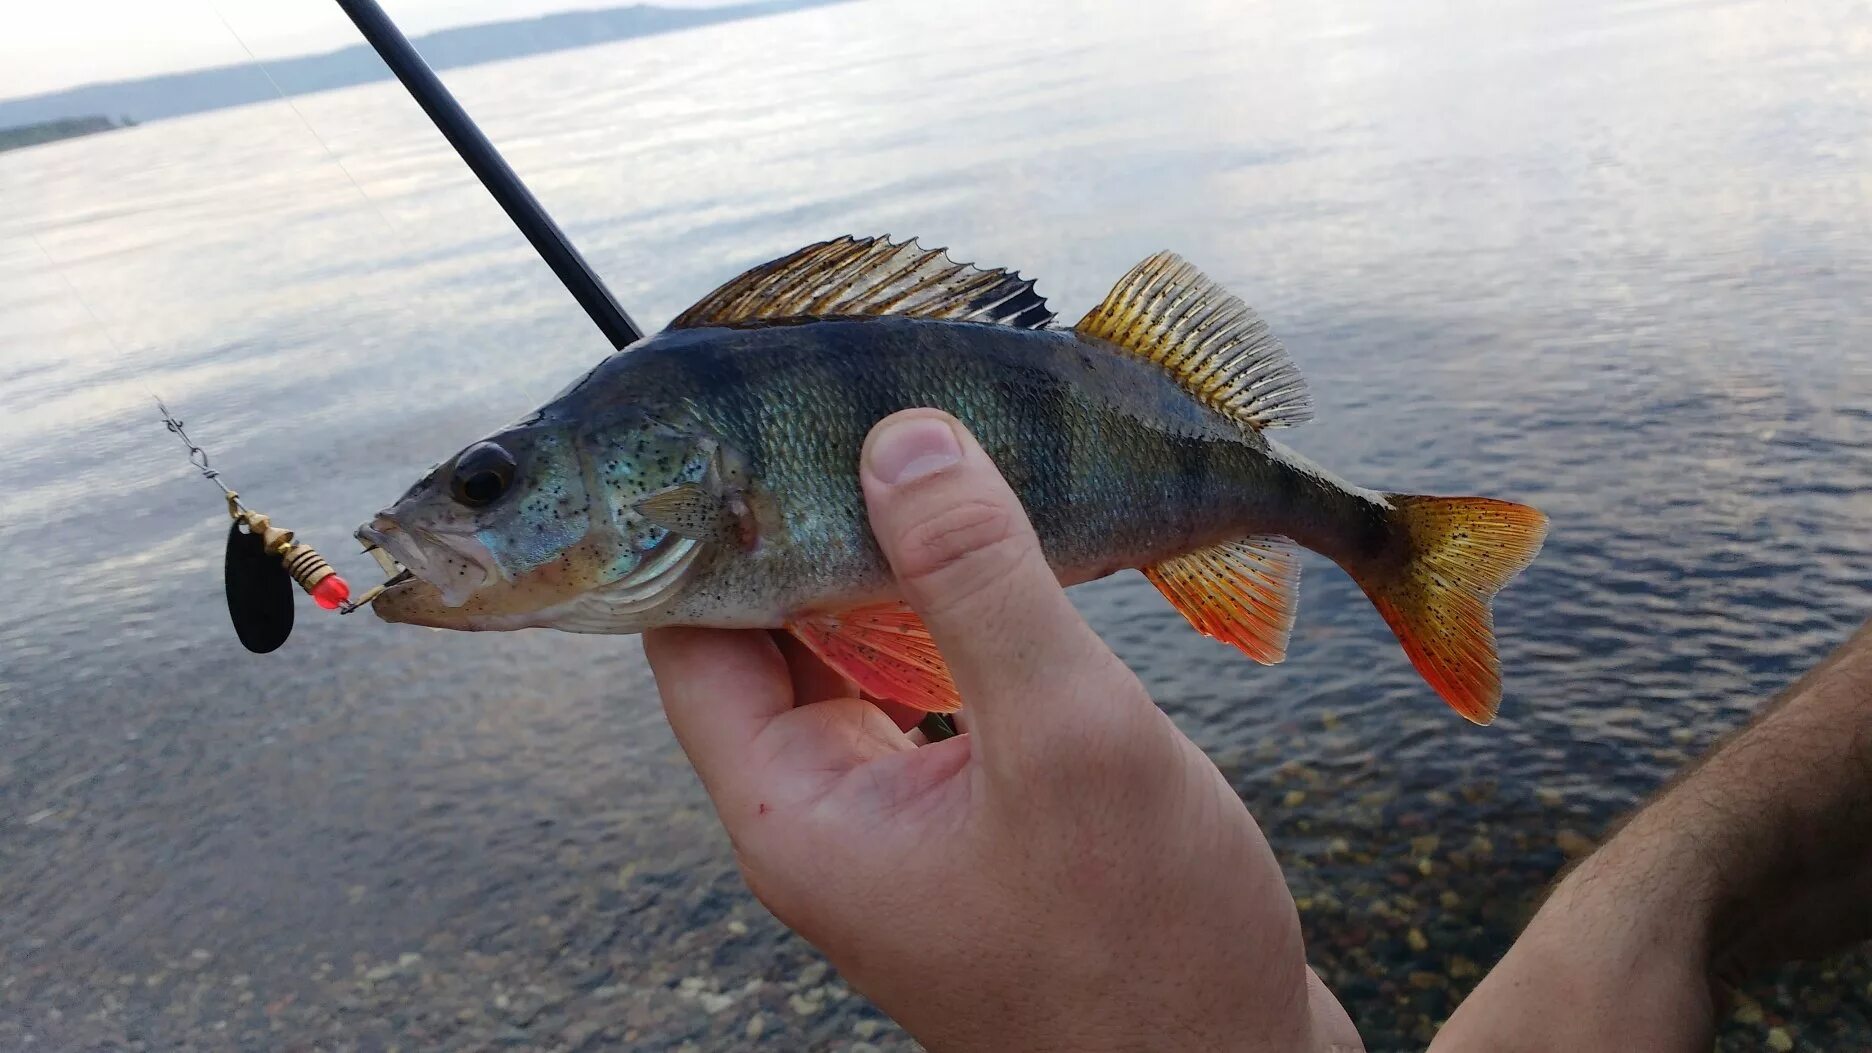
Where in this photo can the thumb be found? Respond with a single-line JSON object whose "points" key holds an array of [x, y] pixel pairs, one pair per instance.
{"points": [[969, 564]]}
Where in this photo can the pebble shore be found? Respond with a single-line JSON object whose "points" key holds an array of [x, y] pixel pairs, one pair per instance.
{"points": [[1406, 897]]}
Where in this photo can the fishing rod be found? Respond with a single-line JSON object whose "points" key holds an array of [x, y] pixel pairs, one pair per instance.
{"points": [[526, 212], [488, 166], [263, 560]]}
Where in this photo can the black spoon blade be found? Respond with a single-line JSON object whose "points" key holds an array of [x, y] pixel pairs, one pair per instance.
{"points": [[259, 593]]}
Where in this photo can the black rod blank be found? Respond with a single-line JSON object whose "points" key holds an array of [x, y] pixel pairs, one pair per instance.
{"points": [[488, 166]]}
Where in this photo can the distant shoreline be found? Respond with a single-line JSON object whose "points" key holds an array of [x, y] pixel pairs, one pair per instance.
{"points": [[224, 87], [22, 136]]}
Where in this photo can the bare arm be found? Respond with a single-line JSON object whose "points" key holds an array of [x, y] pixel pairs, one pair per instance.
{"points": [[1779, 819], [1760, 853]]}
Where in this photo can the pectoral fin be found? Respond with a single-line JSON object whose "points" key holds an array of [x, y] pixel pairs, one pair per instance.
{"points": [[700, 513], [886, 651]]}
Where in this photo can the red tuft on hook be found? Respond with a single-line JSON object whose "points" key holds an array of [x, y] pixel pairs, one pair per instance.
{"points": [[331, 592]]}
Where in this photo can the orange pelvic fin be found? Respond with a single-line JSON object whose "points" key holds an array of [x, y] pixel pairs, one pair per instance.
{"points": [[1463, 550], [1240, 592], [886, 651]]}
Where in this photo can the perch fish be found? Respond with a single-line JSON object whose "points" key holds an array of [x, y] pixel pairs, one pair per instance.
{"points": [[708, 475]]}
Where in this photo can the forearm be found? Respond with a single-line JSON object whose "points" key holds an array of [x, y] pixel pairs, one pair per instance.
{"points": [[1765, 848], [1760, 853]]}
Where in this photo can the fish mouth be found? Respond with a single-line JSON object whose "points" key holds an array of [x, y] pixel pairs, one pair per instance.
{"points": [[418, 550]]}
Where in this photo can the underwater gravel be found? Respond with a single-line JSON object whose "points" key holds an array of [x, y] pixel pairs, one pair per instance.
{"points": [[1406, 897]]}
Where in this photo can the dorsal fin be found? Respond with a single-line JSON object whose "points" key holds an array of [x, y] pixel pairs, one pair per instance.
{"points": [[1212, 343], [855, 277]]}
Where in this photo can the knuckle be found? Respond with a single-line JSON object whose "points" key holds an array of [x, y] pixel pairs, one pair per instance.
{"points": [[961, 549]]}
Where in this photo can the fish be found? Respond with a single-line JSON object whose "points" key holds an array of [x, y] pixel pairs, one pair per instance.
{"points": [[707, 475]]}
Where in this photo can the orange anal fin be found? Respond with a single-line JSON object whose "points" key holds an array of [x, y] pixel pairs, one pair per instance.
{"points": [[886, 651], [1240, 592]]}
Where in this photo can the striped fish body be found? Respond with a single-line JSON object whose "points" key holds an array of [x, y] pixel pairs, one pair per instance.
{"points": [[709, 475], [1116, 464]]}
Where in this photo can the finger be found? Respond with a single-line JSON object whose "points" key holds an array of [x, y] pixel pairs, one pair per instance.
{"points": [[815, 681], [721, 689], [901, 715], [730, 698], [967, 560], [1332, 1026]]}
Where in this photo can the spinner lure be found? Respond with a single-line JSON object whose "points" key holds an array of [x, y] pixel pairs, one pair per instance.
{"points": [[264, 561]]}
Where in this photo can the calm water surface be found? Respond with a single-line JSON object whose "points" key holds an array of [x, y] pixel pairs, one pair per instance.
{"points": [[1608, 258]]}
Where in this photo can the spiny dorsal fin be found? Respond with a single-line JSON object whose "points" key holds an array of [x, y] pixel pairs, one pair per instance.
{"points": [[854, 277], [1211, 342]]}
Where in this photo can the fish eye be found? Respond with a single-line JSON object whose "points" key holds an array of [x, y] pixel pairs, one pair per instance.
{"points": [[483, 473]]}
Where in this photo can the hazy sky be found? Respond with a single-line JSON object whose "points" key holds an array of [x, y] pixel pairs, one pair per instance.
{"points": [[52, 44]]}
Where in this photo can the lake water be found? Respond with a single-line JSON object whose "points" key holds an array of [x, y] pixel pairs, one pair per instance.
{"points": [[1612, 259]]}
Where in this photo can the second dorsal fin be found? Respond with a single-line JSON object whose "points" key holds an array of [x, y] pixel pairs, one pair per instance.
{"points": [[1212, 343], [855, 277]]}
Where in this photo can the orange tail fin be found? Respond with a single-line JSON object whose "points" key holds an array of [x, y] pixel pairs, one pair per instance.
{"points": [[1463, 550]]}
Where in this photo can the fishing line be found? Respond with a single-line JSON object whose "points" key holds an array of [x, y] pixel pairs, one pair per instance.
{"points": [[264, 560], [197, 456], [287, 99], [78, 294]]}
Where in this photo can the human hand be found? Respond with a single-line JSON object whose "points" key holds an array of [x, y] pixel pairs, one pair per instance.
{"points": [[1072, 873]]}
